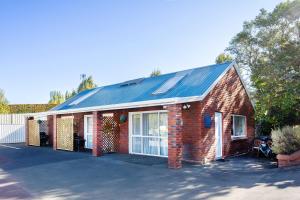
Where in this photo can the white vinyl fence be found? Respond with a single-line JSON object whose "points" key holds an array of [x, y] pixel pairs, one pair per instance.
{"points": [[12, 128]]}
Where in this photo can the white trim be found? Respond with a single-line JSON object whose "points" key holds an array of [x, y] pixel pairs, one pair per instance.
{"points": [[130, 129], [244, 136], [217, 136]]}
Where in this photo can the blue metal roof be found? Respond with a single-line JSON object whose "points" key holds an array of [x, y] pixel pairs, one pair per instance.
{"points": [[195, 83]]}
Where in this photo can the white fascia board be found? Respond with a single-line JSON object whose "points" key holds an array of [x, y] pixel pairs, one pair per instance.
{"points": [[140, 104]]}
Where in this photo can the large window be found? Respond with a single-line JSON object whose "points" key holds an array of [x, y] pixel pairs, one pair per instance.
{"points": [[238, 126], [149, 133]]}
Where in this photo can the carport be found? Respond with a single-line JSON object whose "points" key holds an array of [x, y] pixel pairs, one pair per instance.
{"points": [[74, 132]]}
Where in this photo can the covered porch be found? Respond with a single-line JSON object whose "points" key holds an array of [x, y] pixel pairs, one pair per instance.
{"points": [[148, 131]]}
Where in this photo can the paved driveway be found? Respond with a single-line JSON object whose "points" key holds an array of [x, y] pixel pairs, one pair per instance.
{"points": [[41, 173]]}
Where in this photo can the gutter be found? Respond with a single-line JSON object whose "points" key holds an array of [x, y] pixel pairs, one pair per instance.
{"points": [[150, 103]]}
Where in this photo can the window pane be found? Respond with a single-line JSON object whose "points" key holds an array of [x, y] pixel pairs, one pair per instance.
{"points": [[150, 145], [163, 124], [136, 145], [150, 124], [239, 126], [164, 147], [136, 125]]}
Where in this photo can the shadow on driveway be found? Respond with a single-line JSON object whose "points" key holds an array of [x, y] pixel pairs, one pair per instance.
{"points": [[70, 175]]}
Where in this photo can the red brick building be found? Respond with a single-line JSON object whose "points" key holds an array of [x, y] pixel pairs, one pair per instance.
{"points": [[196, 115]]}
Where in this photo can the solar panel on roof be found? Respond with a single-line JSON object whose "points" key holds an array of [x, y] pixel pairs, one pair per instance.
{"points": [[172, 82], [84, 97]]}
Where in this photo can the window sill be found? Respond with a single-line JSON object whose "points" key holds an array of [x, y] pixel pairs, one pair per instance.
{"points": [[234, 138]]}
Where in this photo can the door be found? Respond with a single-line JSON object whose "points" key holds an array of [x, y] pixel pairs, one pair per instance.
{"points": [[218, 135], [88, 131]]}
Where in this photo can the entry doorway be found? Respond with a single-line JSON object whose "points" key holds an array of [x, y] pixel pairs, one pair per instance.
{"points": [[218, 135], [88, 131]]}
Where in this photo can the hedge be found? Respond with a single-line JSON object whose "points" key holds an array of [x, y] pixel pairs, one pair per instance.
{"points": [[30, 108]]}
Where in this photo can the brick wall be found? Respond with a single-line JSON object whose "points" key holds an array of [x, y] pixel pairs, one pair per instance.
{"points": [[50, 128], [228, 97], [175, 131]]}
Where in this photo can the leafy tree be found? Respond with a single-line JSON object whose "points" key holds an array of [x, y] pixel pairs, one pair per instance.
{"points": [[4, 108], [223, 58], [69, 95], [155, 72], [86, 84], [56, 97], [268, 49]]}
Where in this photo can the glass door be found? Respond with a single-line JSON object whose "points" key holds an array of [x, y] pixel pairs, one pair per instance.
{"points": [[88, 131]]}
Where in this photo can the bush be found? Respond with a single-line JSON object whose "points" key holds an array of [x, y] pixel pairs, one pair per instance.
{"points": [[286, 140], [30, 108]]}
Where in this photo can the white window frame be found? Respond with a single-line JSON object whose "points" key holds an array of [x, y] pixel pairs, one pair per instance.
{"points": [[233, 128], [142, 136]]}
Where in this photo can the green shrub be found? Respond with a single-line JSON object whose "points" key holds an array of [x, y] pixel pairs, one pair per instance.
{"points": [[30, 108], [286, 140]]}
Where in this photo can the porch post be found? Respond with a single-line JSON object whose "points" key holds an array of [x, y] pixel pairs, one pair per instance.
{"points": [[175, 145], [54, 130], [97, 133], [26, 131]]}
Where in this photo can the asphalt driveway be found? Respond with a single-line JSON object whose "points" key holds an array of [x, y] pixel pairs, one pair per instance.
{"points": [[41, 173]]}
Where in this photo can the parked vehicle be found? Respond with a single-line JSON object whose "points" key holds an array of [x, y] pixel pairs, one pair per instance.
{"points": [[263, 145]]}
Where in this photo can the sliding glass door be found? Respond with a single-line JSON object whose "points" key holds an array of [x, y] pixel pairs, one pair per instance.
{"points": [[149, 133]]}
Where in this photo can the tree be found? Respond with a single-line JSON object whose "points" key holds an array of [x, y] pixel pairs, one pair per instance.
{"points": [[155, 72], [86, 84], [56, 97], [4, 108], [221, 58], [267, 50]]}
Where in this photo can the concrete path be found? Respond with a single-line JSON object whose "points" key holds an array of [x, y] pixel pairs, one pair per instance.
{"points": [[41, 173]]}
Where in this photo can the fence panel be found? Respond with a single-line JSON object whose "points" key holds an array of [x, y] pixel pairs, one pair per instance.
{"points": [[12, 128]]}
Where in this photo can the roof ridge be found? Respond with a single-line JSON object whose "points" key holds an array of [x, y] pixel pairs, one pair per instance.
{"points": [[195, 68]]}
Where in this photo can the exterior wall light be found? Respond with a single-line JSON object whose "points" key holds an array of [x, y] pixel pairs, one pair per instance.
{"points": [[186, 106]]}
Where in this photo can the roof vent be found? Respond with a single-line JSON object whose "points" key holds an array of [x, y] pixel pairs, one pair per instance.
{"points": [[84, 97], [172, 82], [132, 82]]}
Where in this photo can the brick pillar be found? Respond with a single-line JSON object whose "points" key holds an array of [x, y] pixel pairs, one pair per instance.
{"points": [[175, 145], [97, 133], [54, 130], [124, 139], [26, 131]]}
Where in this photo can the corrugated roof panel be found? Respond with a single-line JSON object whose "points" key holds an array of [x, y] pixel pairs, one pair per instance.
{"points": [[195, 83]]}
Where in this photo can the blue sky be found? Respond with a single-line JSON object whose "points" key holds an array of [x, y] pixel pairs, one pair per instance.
{"points": [[46, 45]]}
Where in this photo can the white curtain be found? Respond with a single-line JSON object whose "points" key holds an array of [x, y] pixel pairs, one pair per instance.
{"points": [[153, 139]]}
